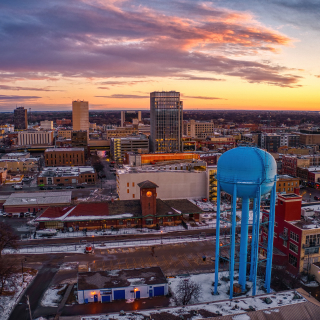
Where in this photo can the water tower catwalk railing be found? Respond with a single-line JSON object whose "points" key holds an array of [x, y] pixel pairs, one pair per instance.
{"points": [[254, 260]]}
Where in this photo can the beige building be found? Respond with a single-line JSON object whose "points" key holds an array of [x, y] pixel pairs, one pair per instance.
{"points": [[65, 134], [176, 181], [20, 165], [309, 138], [198, 129], [46, 125], [32, 138], [287, 184], [80, 116], [120, 132]]}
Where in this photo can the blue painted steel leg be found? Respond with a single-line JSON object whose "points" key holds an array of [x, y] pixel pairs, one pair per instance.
{"points": [[253, 236], [216, 274], [256, 244], [233, 237], [244, 243], [270, 237]]}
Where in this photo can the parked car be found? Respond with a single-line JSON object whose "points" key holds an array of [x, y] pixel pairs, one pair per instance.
{"points": [[69, 187], [4, 214], [58, 187], [50, 188], [42, 188], [27, 214], [316, 198], [18, 187], [89, 249]]}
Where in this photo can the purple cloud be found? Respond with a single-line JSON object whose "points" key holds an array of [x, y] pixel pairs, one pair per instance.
{"points": [[95, 40], [18, 98]]}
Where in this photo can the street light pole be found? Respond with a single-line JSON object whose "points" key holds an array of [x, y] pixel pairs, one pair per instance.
{"points": [[29, 308], [161, 236]]}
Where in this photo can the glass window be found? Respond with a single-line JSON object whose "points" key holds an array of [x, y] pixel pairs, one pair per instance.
{"points": [[293, 247], [293, 260]]}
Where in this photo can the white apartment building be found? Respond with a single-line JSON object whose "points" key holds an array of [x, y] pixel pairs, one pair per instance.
{"points": [[175, 181], [31, 138], [46, 125], [198, 129]]}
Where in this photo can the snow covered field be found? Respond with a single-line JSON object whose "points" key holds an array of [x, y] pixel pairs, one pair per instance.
{"points": [[7, 303]]}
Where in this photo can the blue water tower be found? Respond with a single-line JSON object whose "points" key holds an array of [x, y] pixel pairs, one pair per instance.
{"points": [[246, 173]]}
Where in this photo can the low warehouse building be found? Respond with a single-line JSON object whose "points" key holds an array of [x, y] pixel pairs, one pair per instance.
{"points": [[107, 286], [36, 201]]}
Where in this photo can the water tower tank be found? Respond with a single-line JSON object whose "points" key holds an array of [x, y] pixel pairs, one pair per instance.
{"points": [[247, 167]]}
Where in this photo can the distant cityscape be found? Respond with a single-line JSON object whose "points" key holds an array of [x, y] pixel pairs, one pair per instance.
{"points": [[130, 212]]}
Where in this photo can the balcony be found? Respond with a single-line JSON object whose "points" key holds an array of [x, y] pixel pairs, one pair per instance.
{"points": [[310, 245], [283, 236], [311, 250]]}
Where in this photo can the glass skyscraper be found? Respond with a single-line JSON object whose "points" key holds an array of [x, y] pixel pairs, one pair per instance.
{"points": [[166, 121]]}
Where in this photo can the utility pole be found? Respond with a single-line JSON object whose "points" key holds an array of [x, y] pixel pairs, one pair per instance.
{"points": [[29, 307]]}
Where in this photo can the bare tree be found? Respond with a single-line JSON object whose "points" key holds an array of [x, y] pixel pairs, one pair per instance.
{"points": [[8, 239], [7, 275], [187, 291]]}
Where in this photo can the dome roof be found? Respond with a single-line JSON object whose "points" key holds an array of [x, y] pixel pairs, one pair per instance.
{"points": [[247, 168]]}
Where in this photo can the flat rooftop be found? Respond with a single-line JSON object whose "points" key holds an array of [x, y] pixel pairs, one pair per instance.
{"points": [[39, 198], [166, 166], [63, 149], [65, 171], [286, 177], [120, 278], [285, 305]]}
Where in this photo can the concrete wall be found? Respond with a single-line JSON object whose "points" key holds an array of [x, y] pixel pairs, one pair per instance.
{"points": [[173, 184], [315, 270], [144, 292]]}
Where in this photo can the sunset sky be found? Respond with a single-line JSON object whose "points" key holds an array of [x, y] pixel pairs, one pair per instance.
{"points": [[224, 54]]}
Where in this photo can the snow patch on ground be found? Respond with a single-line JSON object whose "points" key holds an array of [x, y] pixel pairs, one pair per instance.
{"points": [[53, 296], [69, 266], [7, 303]]}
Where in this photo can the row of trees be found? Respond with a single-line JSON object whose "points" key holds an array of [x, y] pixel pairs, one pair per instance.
{"points": [[8, 270]]}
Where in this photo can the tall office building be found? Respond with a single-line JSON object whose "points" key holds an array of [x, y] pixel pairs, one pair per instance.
{"points": [[80, 116], [166, 121], [20, 118]]}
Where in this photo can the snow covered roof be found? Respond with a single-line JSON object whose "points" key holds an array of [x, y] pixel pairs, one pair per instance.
{"points": [[120, 278], [287, 305], [122, 209], [39, 198]]}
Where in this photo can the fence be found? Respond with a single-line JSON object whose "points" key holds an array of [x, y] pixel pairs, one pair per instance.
{"points": [[75, 247]]}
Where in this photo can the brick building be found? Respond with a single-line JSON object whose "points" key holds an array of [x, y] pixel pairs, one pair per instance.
{"points": [[57, 157], [287, 184], [63, 122], [291, 163], [148, 211], [298, 238], [64, 176]]}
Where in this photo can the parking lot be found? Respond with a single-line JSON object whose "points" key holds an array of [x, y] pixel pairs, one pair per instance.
{"points": [[178, 258]]}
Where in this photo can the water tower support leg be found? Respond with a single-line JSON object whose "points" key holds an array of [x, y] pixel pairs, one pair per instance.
{"points": [[253, 237], [256, 244], [244, 243], [270, 238], [233, 237], [216, 266]]}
